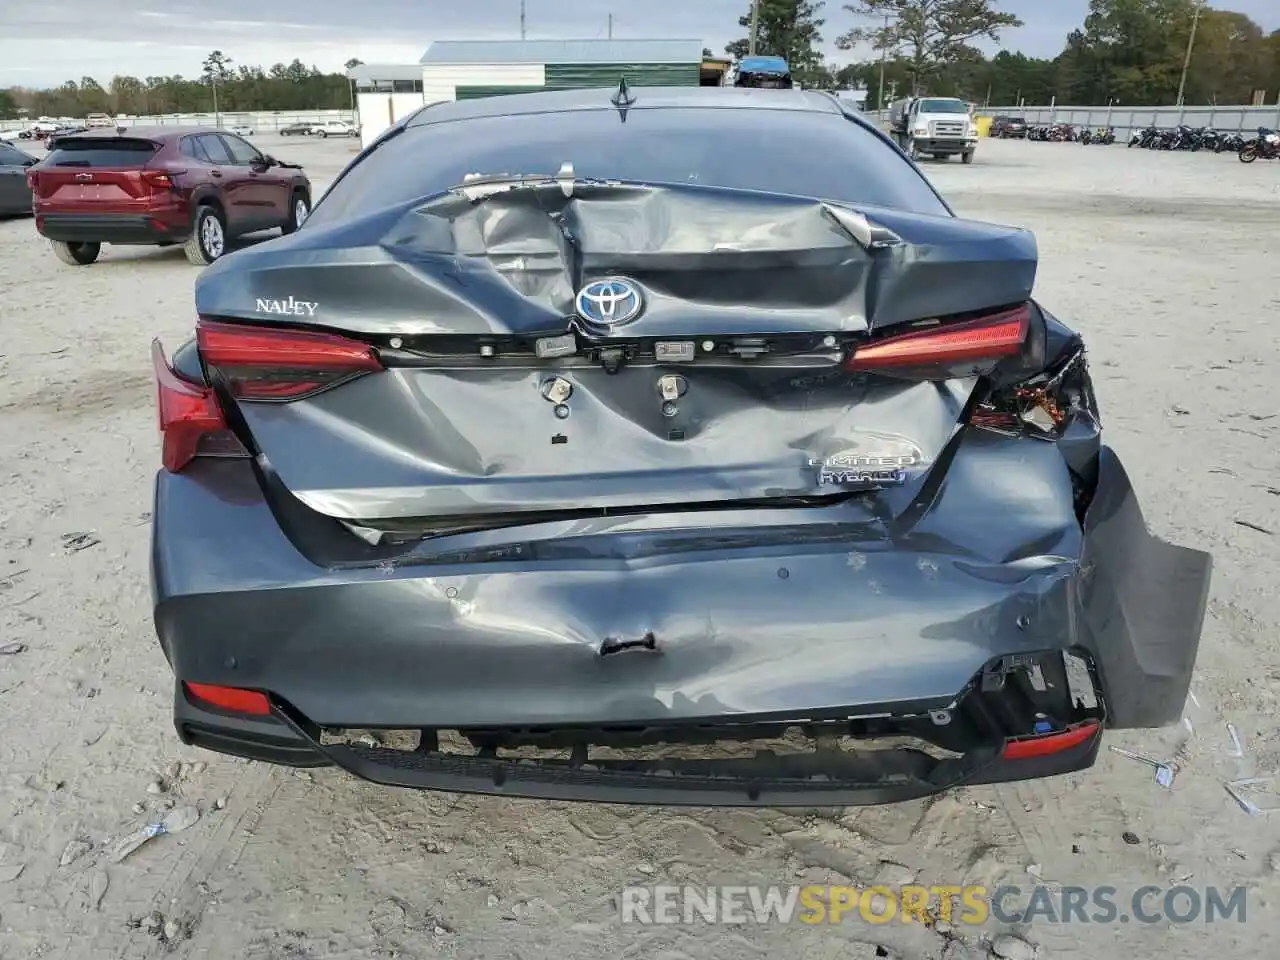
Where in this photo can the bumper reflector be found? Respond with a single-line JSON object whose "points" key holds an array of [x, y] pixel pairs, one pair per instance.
{"points": [[1050, 743], [230, 698]]}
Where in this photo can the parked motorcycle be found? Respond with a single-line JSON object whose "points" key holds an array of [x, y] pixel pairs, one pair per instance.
{"points": [[1208, 139], [1229, 141], [1054, 133], [1146, 138], [1266, 146]]}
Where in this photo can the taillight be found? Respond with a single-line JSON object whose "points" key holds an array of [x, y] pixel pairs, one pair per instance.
{"points": [[1047, 744], [160, 179], [232, 699], [971, 342], [191, 422], [157, 179], [275, 364], [33, 179]]}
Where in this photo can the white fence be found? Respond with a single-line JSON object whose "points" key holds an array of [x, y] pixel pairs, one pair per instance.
{"points": [[264, 121], [1123, 119], [1126, 119], [1245, 120]]}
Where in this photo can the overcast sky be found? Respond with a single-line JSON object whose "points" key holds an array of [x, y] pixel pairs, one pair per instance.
{"points": [[44, 42]]}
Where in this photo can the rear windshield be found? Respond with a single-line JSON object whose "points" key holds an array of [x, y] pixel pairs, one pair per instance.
{"points": [[100, 152], [943, 106], [803, 153]]}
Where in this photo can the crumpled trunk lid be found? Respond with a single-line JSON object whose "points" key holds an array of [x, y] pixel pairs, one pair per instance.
{"points": [[501, 394]]}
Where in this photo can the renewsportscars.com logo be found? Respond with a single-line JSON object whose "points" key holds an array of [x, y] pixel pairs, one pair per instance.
{"points": [[968, 905]]}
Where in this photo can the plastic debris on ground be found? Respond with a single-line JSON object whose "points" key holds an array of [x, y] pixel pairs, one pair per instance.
{"points": [[1165, 772], [1237, 748], [1256, 795], [175, 821], [75, 542]]}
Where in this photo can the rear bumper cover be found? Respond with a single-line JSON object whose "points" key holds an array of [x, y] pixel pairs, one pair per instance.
{"points": [[290, 739], [108, 228], [815, 627]]}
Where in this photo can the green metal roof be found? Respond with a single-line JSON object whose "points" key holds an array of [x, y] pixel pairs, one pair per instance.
{"points": [[564, 51]]}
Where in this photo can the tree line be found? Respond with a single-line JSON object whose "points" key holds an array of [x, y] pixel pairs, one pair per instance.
{"points": [[1129, 52], [291, 86]]}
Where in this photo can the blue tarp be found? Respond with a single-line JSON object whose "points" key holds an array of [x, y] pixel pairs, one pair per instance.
{"points": [[771, 65]]}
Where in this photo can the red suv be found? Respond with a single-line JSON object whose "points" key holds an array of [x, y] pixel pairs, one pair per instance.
{"points": [[162, 186]]}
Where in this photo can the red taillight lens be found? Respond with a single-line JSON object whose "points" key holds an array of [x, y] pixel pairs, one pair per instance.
{"points": [[231, 698], [33, 179], [987, 338], [158, 179], [274, 364], [1050, 743], [190, 419]]}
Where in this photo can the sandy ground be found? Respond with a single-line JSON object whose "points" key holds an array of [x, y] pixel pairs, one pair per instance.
{"points": [[1166, 262]]}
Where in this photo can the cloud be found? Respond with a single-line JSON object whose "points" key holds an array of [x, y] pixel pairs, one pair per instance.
{"points": [[44, 42]]}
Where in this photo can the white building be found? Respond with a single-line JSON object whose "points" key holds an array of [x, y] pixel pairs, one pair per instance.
{"points": [[464, 69]]}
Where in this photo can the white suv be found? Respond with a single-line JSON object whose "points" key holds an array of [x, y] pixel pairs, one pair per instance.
{"points": [[334, 128]]}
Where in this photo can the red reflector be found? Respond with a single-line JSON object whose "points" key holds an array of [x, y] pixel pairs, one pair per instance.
{"points": [[187, 413], [1051, 743], [987, 338], [231, 698], [274, 364]]}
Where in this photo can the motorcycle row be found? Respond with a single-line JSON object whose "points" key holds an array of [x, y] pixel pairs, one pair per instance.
{"points": [[1265, 146], [1067, 133]]}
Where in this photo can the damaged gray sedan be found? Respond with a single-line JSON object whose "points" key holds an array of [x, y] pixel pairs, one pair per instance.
{"points": [[651, 446]]}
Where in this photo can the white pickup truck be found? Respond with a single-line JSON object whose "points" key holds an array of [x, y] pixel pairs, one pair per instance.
{"points": [[937, 126]]}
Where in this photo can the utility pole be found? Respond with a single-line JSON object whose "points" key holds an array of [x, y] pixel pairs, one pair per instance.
{"points": [[611, 26], [522, 21], [213, 79], [755, 27], [884, 58], [1186, 61]]}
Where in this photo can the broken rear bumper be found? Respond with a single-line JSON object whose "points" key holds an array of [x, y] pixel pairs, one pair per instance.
{"points": [[834, 624], [811, 779]]}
